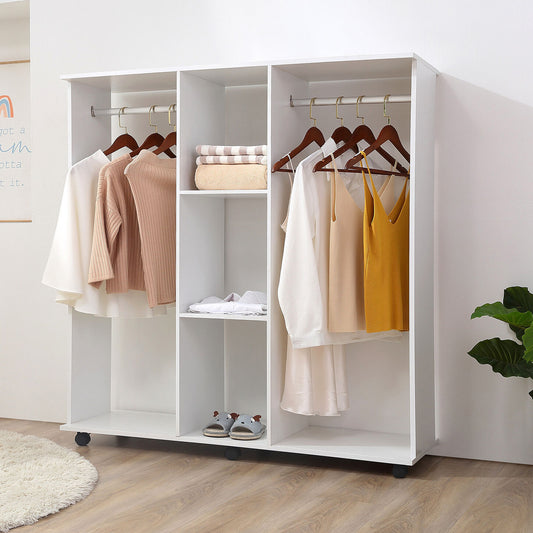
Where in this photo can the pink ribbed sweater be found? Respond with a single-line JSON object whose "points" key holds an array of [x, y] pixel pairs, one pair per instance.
{"points": [[116, 246], [153, 184]]}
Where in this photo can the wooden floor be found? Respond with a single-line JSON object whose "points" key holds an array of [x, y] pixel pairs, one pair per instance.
{"points": [[162, 487]]}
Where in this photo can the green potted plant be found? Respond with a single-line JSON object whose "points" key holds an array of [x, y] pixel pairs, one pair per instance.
{"points": [[508, 357]]}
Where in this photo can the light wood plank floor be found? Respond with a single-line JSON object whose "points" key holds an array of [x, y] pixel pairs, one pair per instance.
{"points": [[163, 487]]}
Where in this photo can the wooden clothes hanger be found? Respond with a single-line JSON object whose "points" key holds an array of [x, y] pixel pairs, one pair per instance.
{"points": [[361, 133], [170, 140], [122, 141], [154, 139], [387, 133], [313, 134], [342, 133]]}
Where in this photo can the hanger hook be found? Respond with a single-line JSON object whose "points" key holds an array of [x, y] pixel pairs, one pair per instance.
{"points": [[311, 110], [121, 112], [339, 99], [171, 107], [385, 108], [359, 98], [150, 117]]}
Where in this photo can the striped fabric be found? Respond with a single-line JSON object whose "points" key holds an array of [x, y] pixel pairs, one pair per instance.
{"points": [[153, 183], [116, 247], [208, 149], [231, 159]]}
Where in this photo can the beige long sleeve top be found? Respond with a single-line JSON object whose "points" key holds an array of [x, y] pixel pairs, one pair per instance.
{"points": [[116, 246], [153, 184]]}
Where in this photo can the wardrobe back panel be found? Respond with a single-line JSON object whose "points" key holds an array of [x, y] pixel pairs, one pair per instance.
{"points": [[139, 125], [143, 364], [245, 109], [245, 367], [201, 121], [87, 134], [245, 254]]}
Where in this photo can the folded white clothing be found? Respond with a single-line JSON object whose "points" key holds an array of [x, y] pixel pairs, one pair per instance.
{"points": [[251, 303], [231, 159], [209, 149]]}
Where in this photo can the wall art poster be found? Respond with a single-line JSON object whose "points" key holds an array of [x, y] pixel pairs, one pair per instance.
{"points": [[15, 150]]}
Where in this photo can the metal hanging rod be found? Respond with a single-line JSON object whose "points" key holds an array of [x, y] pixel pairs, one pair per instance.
{"points": [[131, 110], [349, 100]]}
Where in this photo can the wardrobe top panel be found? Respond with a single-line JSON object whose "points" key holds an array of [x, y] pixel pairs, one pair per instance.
{"points": [[233, 76], [351, 70], [132, 81]]}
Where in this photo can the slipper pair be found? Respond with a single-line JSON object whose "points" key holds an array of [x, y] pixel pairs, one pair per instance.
{"points": [[241, 427]]}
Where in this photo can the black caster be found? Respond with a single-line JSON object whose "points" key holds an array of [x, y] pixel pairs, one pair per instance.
{"points": [[399, 471], [82, 439], [232, 454]]}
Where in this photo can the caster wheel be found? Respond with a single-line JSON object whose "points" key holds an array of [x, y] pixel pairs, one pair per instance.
{"points": [[232, 454], [399, 471], [82, 439]]}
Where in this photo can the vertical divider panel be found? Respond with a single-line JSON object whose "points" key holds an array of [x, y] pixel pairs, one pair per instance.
{"points": [[421, 267], [285, 133], [200, 250]]}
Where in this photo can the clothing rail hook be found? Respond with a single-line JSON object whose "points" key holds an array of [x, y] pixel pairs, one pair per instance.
{"points": [[359, 98], [385, 108], [150, 118], [311, 110], [171, 107], [339, 99], [121, 112]]}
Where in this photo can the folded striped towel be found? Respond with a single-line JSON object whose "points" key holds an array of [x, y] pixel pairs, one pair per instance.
{"points": [[208, 149], [230, 159]]}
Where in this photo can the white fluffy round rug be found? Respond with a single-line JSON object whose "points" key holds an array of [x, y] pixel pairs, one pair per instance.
{"points": [[38, 477]]}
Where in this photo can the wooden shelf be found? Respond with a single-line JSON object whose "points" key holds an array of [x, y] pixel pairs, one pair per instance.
{"points": [[223, 316]]}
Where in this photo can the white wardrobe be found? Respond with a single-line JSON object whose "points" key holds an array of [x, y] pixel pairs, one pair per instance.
{"points": [[163, 377]]}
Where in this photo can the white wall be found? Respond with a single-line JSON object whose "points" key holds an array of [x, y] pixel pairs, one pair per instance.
{"points": [[483, 183]]}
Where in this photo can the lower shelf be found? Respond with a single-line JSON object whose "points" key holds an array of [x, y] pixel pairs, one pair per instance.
{"points": [[199, 438], [313, 440], [129, 424], [349, 444]]}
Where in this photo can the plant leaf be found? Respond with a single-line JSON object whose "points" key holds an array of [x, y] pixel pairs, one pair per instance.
{"points": [[519, 332], [513, 317], [519, 298], [527, 340], [504, 356]]}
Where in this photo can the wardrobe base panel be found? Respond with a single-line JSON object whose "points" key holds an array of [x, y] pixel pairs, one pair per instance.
{"points": [[128, 424], [349, 444]]}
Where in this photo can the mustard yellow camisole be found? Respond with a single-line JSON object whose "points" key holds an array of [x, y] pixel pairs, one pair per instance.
{"points": [[386, 261]]}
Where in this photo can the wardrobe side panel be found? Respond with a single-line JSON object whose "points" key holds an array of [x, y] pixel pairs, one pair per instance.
{"points": [[286, 132], [90, 339], [421, 266], [90, 366], [201, 121], [88, 133]]}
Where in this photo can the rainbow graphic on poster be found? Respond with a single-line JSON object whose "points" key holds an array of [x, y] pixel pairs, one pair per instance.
{"points": [[6, 107]]}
